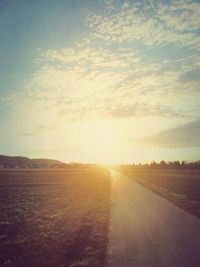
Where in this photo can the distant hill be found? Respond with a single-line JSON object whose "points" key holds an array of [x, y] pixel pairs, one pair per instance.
{"points": [[24, 162]]}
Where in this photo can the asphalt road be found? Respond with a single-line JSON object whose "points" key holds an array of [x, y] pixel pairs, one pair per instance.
{"points": [[149, 231]]}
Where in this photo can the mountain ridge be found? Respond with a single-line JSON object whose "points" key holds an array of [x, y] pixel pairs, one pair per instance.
{"points": [[25, 162]]}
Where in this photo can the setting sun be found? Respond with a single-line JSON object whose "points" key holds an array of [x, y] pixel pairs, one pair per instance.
{"points": [[101, 139]]}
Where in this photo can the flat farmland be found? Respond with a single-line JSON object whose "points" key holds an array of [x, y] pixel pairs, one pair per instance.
{"points": [[182, 187], [54, 217]]}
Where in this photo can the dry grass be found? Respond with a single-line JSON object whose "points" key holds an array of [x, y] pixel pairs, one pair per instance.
{"points": [[54, 218], [182, 187]]}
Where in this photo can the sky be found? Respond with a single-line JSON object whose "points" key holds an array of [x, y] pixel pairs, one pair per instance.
{"points": [[100, 81]]}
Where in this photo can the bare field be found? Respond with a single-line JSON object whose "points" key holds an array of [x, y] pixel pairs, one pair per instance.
{"points": [[54, 218], [182, 187]]}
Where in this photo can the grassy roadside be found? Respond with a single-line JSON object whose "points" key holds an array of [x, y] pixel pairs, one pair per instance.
{"points": [[181, 187]]}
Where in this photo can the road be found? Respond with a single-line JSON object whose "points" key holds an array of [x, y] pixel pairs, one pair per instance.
{"points": [[149, 231]]}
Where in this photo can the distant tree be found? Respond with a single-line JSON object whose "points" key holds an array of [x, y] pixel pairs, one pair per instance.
{"points": [[162, 164]]}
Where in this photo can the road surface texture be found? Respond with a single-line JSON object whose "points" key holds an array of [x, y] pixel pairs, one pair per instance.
{"points": [[149, 231]]}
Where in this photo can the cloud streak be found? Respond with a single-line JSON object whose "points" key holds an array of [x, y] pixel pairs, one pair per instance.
{"points": [[183, 136], [39, 129]]}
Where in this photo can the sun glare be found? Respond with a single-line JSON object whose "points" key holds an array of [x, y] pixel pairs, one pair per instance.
{"points": [[101, 139]]}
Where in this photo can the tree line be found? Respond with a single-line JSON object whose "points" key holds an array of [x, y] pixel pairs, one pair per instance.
{"points": [[182, 165]]}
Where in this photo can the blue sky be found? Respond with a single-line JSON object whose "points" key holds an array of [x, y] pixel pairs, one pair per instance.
{"points": [[27, 26], [131, 68]]}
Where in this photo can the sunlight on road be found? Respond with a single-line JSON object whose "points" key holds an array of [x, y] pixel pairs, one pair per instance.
{"points": [[116, 178], [147, 230]]}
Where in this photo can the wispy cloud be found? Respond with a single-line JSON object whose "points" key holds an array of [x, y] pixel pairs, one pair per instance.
{"points": [[87, 82], [153, 23], [96, 79], [39, 129]]}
